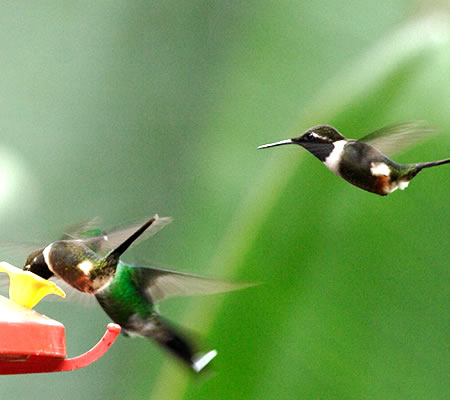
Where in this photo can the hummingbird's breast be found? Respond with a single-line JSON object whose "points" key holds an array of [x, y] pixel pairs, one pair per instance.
{"points": [[365, 167], [76, 264]]}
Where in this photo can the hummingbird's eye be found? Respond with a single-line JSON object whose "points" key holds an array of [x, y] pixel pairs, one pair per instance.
{"points": [[309, 136]]}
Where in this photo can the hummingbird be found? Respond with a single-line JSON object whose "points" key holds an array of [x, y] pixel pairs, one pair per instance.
{"points": [[129, 294], [363, 162], [77, 262]]}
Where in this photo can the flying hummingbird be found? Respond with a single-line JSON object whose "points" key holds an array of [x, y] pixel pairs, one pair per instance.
{"points": [[363, 162], [129, 294]]}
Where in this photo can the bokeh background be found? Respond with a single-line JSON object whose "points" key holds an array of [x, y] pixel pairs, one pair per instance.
{"points": [[123, 109]]}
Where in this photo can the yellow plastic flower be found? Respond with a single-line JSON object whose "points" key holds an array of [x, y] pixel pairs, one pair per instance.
{"points": [[27, 288]]}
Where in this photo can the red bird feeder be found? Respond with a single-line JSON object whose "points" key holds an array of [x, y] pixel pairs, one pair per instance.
{"points": [[31, 342]]}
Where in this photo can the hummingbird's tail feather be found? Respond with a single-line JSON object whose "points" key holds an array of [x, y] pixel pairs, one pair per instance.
{"points": [[201, 360], [115, 254], [166, 336], [433, 163], [416, 168]]}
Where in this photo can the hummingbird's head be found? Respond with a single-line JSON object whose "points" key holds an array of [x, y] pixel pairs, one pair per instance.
{"points": [[36, 263], [318, 140], [320, 134]]}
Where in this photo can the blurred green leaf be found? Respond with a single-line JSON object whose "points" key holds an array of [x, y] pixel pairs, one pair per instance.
{"points": [[339, 317]]}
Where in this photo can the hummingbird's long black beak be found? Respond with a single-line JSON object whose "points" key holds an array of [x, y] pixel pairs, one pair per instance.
{"points": [[280, 143]]}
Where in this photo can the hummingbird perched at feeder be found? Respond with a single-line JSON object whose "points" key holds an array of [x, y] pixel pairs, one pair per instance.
{"points": [[129, 294], [364, 162]]}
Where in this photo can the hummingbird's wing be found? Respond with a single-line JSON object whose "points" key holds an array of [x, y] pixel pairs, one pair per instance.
{"points": [[399, 137], [17, 251], [160, 284], [102, 242], [88, 231], [105, 242], [83, 229]]}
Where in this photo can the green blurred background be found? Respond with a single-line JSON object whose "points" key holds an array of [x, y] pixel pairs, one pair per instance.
{"points": [[127, 108]]}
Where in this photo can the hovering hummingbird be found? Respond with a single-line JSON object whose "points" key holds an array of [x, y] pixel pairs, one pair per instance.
{"points": [[362, 162], [129, 294]]}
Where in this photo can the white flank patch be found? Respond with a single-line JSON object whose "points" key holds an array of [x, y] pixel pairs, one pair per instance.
{"points": [[45, 253], [380, 169], [393, 188], [86, 266], [402, 185], [332, 161], [203, 360]]}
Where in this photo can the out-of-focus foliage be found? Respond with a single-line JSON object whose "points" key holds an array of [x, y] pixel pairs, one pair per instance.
{"points": [[128, 108]]}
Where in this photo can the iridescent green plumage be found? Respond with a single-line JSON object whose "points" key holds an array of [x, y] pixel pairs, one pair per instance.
{"points": [[122, 297]]}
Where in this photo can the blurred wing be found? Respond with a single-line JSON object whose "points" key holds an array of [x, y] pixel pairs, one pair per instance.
{"points": [[85, 228], [88, 231], [160, 284], [104, 243], [17, 253], [399, 137]]}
